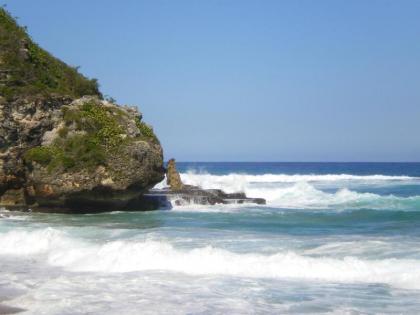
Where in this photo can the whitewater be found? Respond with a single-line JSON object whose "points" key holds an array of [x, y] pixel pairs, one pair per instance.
{"points": [[332, 239]]}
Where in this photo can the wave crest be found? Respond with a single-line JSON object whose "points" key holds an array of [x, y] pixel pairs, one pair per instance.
{"points": [[306, 196], [134, 255], [302, 192], [230, 181]]}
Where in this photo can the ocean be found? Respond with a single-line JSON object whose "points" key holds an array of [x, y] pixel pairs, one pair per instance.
{"points": [[333, 238]]}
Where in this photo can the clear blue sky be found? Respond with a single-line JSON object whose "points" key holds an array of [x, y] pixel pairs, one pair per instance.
{"points": [[251, 80]]}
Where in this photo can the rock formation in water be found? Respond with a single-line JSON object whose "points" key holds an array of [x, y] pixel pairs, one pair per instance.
{"points": [[188, 195], [62, 147], [173, 179], [180, 194]]}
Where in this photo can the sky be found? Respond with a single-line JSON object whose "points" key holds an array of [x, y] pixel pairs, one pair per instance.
{"points": [[250, 80]]}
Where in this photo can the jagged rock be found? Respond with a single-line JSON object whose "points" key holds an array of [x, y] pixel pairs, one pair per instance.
{"points": [[13, 197], [195, 195], [88, 153], [180, 194], [173, 179], [23, 123]]}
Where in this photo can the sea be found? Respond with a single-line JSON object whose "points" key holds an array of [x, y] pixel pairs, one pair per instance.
{"points": [[333, 238]]}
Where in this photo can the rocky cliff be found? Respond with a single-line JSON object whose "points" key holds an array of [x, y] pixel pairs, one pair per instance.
{"points": [[62, 147]]}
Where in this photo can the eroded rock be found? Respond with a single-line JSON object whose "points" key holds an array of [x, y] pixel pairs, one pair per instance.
{"points": [[166, 198], [58, 147], [83, 153], [173, 179]]}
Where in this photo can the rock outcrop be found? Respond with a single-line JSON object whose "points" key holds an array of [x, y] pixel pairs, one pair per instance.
{"points": [[173, 179], [88, 153], [179, 194], [63, 148], [166, 198], [59, 149]]}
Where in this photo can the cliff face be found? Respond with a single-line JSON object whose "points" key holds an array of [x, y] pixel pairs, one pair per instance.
{"points": [[60, 149]]}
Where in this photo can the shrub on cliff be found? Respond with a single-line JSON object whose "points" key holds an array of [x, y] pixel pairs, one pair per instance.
{"points": [[28, 70], [92, 131]]}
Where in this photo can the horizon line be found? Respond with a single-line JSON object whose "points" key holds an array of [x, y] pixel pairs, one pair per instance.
{"points": [[231, 161]]}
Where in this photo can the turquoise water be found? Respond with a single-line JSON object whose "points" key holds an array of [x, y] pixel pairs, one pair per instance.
{"points": [[334, 238]]}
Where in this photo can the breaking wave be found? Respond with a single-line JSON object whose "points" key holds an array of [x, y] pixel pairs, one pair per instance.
{"points": [[236, 181], [302, 191], [59, 249], [306, 196]]}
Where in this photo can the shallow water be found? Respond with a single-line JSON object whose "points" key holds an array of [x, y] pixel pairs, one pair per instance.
{"points": [[334, 238]]}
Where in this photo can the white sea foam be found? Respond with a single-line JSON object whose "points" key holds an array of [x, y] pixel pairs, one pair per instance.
{"points": [[24, 242], [218, 208], [302, 191], [235, 181], [59, 249], [306, 196], [8, 215]]}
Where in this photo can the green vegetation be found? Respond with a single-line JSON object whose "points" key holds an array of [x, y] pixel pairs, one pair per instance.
{"points": [[92, 132], [97, 133], [76, 152], [27, 70], [41, 154], [146, 131], [99, 122], [62, 132], [102, 124]]}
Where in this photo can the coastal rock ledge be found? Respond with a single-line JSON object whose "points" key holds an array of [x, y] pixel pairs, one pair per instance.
{"points": [[84, 155]]}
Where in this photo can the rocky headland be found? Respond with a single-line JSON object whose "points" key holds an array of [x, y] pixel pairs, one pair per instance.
{"points": [[64, 148]]}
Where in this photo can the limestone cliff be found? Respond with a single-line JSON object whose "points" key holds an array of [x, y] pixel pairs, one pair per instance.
{"points": [[59, 148]]}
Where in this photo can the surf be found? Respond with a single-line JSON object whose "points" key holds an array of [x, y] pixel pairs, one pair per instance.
{"points": [[60, 249], [306, 191]]}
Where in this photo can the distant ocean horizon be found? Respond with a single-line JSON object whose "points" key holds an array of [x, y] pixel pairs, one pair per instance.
{"points": [[333, 238], [360, 167]]}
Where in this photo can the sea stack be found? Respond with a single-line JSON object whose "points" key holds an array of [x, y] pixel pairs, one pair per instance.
{"points": [[173, 179]]}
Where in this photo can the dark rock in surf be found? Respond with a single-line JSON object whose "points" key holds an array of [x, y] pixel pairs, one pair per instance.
{"points": [[197, 195], [180, 194]]}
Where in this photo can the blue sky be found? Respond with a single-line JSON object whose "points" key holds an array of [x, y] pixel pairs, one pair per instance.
{"points": [[251, 80]]}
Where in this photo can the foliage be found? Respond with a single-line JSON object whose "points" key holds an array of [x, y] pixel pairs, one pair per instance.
{"points": [[79, 151], [98, 121], [97, 133], [146, 131], [62, 132], [41, 154], [26, 69], [92, 132]]}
